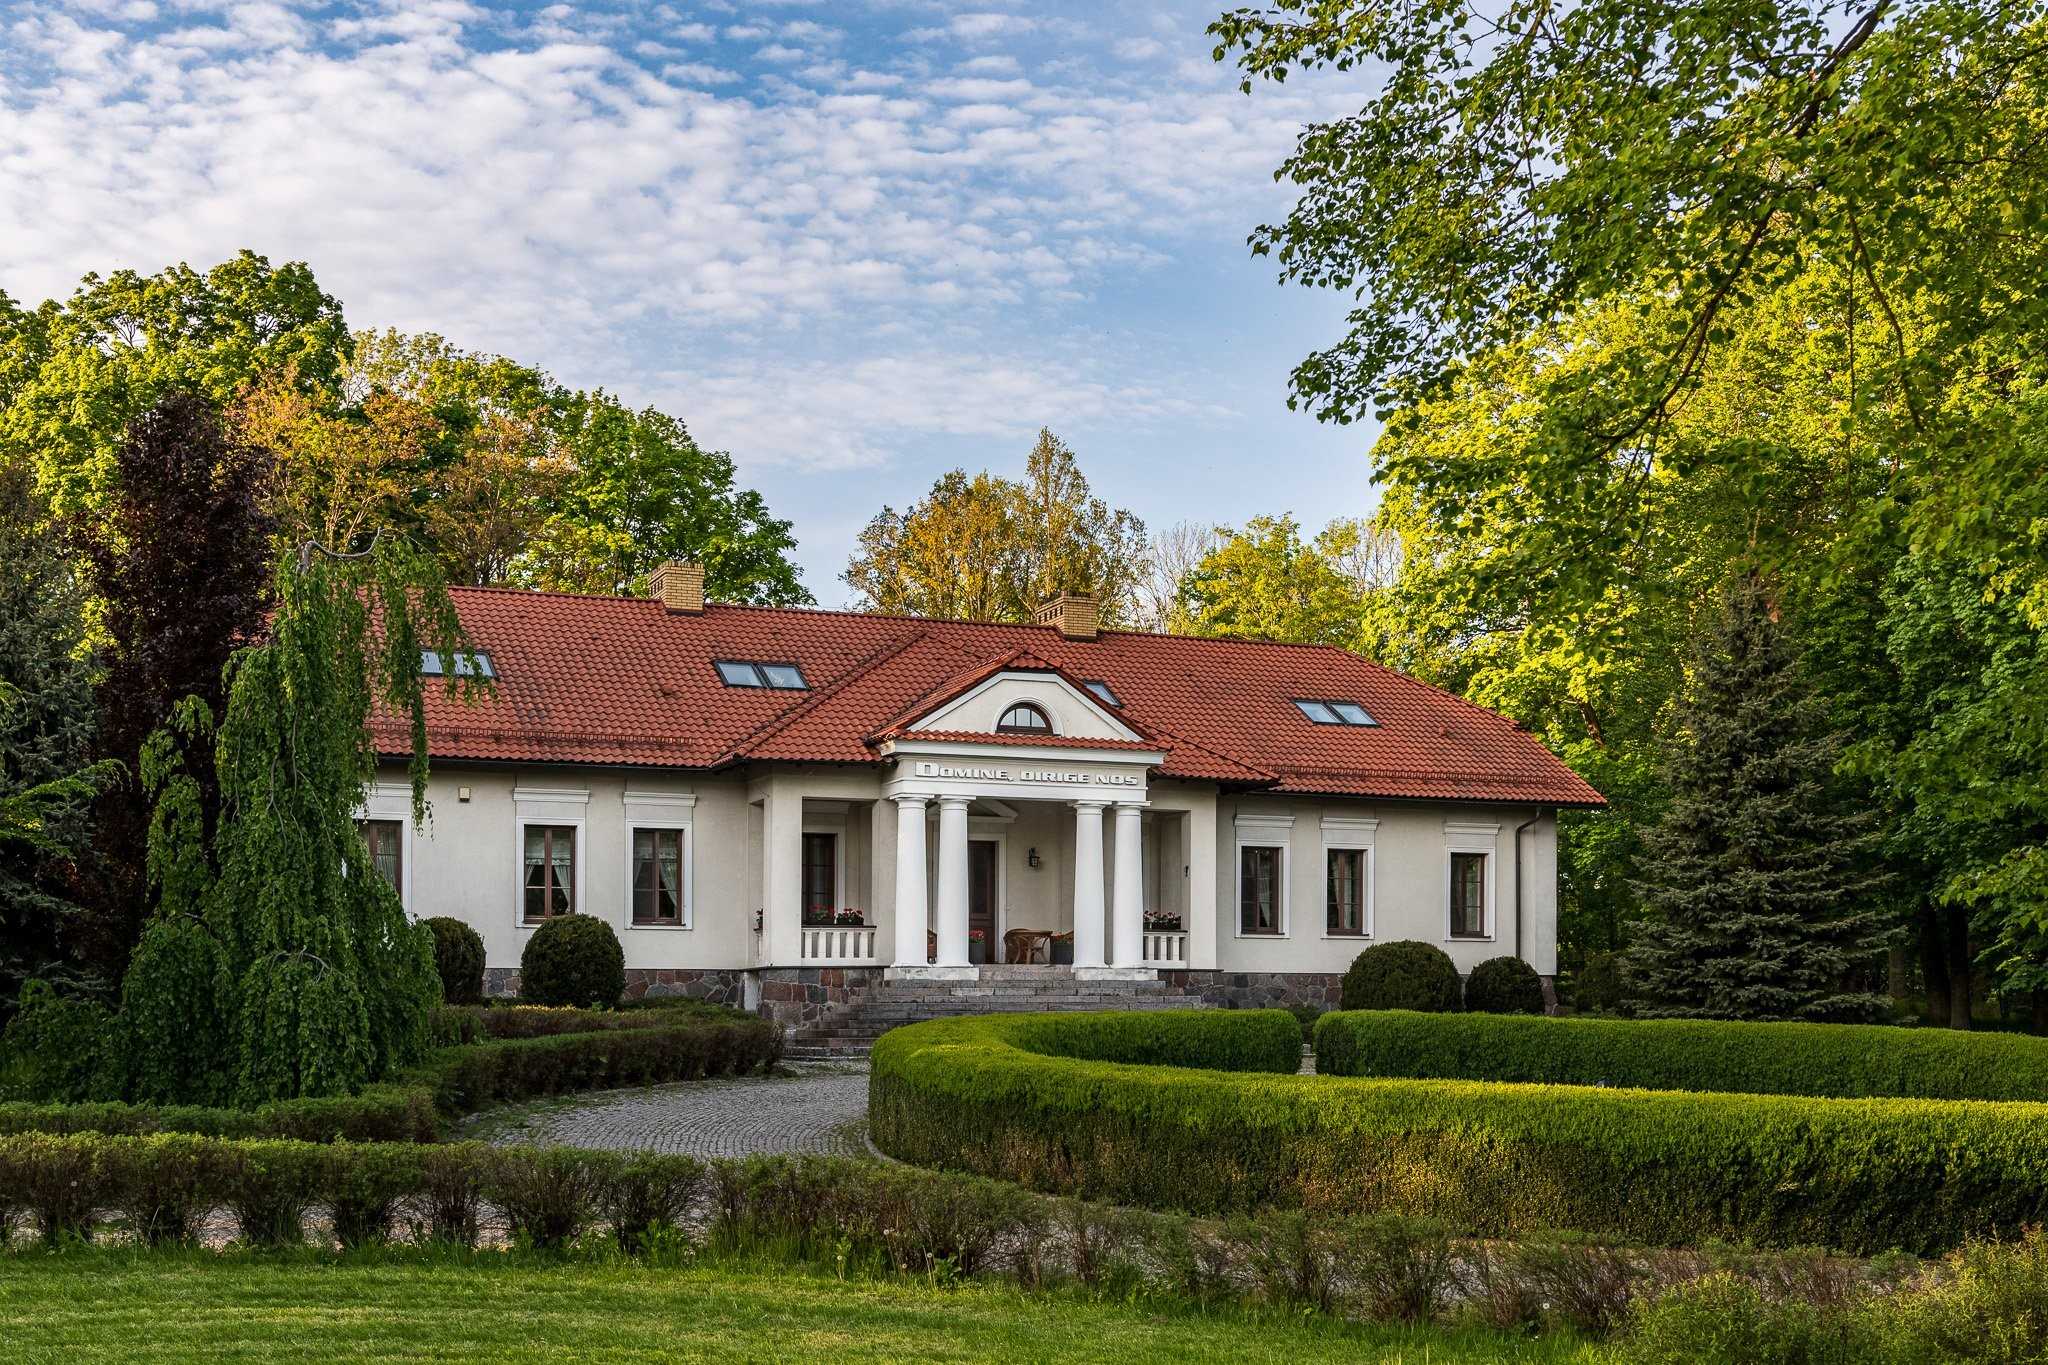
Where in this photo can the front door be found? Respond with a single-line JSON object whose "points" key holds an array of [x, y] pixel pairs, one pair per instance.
{"points": [[981, 896]]}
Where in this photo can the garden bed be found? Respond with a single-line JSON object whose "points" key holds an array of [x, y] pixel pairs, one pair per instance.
{"points": [[990, 1095]]}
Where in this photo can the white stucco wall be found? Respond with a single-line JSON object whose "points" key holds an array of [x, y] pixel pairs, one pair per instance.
{"points": [[745, 841], [1409, 877]]}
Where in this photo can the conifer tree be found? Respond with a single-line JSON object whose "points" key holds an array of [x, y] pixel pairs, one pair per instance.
{"points": [[1762, 897]]}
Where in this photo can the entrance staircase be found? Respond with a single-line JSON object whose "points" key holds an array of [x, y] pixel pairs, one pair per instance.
{"points": [[1007, 989]]}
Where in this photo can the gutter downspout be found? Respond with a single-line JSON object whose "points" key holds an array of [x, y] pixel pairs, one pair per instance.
{"points": [[1518, 877]]}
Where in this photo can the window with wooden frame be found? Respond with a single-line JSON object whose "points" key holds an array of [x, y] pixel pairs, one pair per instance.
{"points": [[821, 876], [658, 876], [1024, 718], [386, 841], [550, 858], [1259, 889], [1346, 877], [1468, 895]]}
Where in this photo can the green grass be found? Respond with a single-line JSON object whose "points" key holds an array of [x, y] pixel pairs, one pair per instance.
{"points": [[111, 1305]]}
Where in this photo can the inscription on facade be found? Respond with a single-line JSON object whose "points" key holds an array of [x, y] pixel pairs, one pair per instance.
{"points": [[975, 772]]}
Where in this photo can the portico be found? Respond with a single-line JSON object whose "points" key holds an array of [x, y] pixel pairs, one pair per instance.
{"points": [[933, 787]]}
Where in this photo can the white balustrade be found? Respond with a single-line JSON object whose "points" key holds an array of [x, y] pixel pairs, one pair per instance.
{"points": [[1166, 949], [838, 945]]}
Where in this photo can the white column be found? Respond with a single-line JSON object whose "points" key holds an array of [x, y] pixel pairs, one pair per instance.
{"points": [[913, 911], [952, 881], [1127, 911], [1087, 884]]}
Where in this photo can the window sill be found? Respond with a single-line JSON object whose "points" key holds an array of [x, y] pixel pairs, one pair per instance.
{"points": [[1343, 935], [1261, 934], [656, 924], [1468, 938]]}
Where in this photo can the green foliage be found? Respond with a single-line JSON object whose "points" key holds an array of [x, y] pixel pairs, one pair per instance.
{"points": [[572, 960], [47, 779], [1597, 985], [323, 984], [62, 1048], [641, 1049], [987, 548], [459, 958], [1220, 1040], [1835, 1060], [1649, 1166], [1402, 975], [1504, 985], [1264, 583], [1760, 882]]}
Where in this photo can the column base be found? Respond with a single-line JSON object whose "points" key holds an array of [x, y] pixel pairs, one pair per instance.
{"points": [[1116, 973], [932, 973]]}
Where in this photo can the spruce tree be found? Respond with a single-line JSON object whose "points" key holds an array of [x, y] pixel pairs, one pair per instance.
{"points": [[1763, 899]]}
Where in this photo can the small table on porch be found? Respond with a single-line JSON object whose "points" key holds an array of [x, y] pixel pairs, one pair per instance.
{"points": [[1028, 945]]}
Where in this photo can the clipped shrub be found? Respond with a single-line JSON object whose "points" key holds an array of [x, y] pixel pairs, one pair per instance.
{"points": [[1220, 1040], [648, 1194], [269, 1186], [1652, 1167], [1835, 1060], [573, 960], [57, 1181], [467, 1078], [1403, 975], [548, 1194], [382, 1113], [1306, 1015], [365, 1186], [1504, 985], [166, 1184], [459, 958], [1597, 985], [449, 1202], [543, 1021]]}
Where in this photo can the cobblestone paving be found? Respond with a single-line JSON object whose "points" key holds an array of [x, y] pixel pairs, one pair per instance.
{"points": [[820, 1108]]}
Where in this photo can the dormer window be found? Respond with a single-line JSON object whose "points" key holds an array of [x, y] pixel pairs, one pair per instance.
{"points": [[1024, 718]]}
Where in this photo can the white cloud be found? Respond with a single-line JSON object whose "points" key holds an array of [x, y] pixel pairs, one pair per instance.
{"points": [[563, 192]]}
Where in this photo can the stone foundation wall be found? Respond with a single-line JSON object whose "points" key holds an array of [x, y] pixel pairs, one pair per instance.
{"points": [[1259, 990], [799, 997], [719, 986]]}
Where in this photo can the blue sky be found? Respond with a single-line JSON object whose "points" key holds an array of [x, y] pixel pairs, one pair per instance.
{"points": [[856, 244]]}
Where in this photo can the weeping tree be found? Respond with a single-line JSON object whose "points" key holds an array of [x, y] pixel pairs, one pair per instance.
{"points": [[278, 963]]}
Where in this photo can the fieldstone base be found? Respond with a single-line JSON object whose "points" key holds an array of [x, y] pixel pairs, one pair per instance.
{"points": [[719, 986], [1259, 990], [798, 997]]}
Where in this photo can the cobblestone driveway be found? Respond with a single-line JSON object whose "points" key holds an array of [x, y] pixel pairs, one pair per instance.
{"points": [[817, 1109]]}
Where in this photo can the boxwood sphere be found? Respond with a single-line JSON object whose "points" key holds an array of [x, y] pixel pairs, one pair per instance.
{"points": [[573, 960], [459, 957], [1504, 985], [1404, 975]]}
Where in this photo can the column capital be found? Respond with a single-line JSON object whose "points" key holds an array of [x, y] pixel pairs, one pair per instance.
{"points": [[1089, 805], [911, 799], [951, 802], [1133, 803]]}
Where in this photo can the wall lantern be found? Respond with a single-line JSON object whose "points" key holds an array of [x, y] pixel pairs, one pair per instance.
{"points": [[760, 917], [1031, 858]]}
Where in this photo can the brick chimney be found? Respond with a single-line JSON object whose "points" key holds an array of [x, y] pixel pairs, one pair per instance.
{"points": [[679, 587], [1073, 613]]}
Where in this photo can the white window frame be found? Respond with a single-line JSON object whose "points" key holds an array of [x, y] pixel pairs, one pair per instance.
{"points": [[1473, 837], [1350, 832], [393, 801], [828, 817], [663, 811], [549, 806], [1264, 831]]}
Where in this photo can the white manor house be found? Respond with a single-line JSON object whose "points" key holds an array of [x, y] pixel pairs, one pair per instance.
{"points": [[780, 808]]}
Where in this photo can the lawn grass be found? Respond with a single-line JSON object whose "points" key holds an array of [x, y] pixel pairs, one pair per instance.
{"points": [[120, 1305]]}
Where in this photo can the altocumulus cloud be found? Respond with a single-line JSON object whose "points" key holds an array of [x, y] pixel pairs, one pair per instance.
{"points": [[807, 228]]}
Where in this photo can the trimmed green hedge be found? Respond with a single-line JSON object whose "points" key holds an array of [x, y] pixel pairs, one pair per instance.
{"points": [[1654, 1167], [1835, 1060], [1221, 1040], [456, 1024], [454, 1080]]}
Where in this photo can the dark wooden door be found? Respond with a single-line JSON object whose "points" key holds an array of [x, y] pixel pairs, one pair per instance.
{"points": [[981, 891]]}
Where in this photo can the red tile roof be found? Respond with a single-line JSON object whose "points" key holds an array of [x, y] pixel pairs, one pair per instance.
{"points": [[615, 681]]}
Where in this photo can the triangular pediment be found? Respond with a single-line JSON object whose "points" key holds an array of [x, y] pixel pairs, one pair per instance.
{"points": [[978, 703]]}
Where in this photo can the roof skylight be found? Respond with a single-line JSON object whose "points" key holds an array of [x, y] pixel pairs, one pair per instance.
{"points": [[747, 673], [1334, 712], [1101, 690], [475, 664]]}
